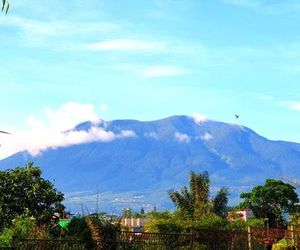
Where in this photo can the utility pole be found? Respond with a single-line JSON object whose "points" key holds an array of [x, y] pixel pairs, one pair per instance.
{"points": [[97, 201]]}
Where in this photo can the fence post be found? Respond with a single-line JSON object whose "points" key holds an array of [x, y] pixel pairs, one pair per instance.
{"points": [[192, 240], [249, 238], [14, 242]]}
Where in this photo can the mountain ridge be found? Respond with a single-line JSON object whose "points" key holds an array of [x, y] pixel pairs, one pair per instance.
{"points": [[151, 157]]}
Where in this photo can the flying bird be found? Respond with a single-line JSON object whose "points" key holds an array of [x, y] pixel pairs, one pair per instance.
{"points": [[237, 116]]}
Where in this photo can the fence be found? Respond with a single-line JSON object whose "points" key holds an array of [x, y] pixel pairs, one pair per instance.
{"points": [[255, 239]]}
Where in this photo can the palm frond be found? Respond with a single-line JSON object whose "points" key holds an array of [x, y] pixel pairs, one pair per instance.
{"points": [[5, 6]]}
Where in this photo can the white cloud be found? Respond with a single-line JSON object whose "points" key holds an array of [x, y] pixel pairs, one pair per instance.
{"points": [[198, 118], [103, 106], [265, 97], [163, 70], [128, 45], [270, 7], [56, 34], [69, 115], [152, 135], [126, 133], [243, 3], [292, 105], [56, 130], [180, 137], [206, 137], [35, 27]]}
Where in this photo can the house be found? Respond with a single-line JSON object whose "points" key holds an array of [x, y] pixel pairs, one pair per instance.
{"points": [[243, 215], [134, 224]]}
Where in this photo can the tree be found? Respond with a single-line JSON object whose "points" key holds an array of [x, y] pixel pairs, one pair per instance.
{"points": [[127, 213], [142, 211], [220, 202], [23, 192], [271, 201], [194, 202]]}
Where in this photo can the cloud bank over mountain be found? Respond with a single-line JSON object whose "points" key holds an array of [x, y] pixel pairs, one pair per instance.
{"points": [[55, 130]]}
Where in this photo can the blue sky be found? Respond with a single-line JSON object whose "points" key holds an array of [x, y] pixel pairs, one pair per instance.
{"points": [[149, 59]]}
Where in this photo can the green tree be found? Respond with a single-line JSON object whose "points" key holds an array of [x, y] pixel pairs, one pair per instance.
{"points": [[127, 213], [220, 202], [271, 201], [163, 222], [194, 201], [23, 192]]}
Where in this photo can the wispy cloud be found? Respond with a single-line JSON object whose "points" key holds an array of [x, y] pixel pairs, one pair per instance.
{"points": [[128, 45], [152, 135], [206, 137], [181, 137], [266, 97], [243, 3], [152, 71], [262, 96], [163, 70], [270, 7], [56, 28], [294, 105], [38, 32], [56, 129]]}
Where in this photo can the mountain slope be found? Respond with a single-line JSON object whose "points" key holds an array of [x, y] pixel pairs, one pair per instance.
{"points": [[152, 157]]}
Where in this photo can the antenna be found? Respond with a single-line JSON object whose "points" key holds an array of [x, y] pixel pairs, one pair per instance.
{"points": [[87, 210], [82, 210], [97, 201]]}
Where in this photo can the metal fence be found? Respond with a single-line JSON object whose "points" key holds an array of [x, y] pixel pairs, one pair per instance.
{"points": [[255, 239]]}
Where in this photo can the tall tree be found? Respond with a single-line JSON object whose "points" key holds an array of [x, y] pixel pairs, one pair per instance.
{"points": [[23, 192], [194, 202], [220, 202], [271, 201]]}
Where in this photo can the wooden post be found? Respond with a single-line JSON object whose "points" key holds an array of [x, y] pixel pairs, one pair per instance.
{"points": [[14, 242], [249, 238]]}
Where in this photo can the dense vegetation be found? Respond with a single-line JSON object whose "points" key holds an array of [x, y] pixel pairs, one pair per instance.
{"points": [[28, 203]]}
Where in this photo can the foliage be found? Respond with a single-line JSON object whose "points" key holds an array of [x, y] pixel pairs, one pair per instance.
{"points": [[23, 228], [220, 202], [23, 192], [78, 229], [295, 219], [162, 222], [127, 213], [168, 222], [194, 202], [256, 222], [5, 6], [283, 244], [211, 221], [271, 201]]}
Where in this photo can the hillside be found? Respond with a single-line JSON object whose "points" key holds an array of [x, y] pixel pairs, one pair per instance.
{"points": [[152, 157]]}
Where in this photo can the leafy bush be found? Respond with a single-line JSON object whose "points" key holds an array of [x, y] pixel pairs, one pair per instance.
{"points": [[284, 244], [78, 230], [21, 228]]}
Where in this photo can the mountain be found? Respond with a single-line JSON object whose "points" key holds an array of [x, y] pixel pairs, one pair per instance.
{"points": [[141, 161]]}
